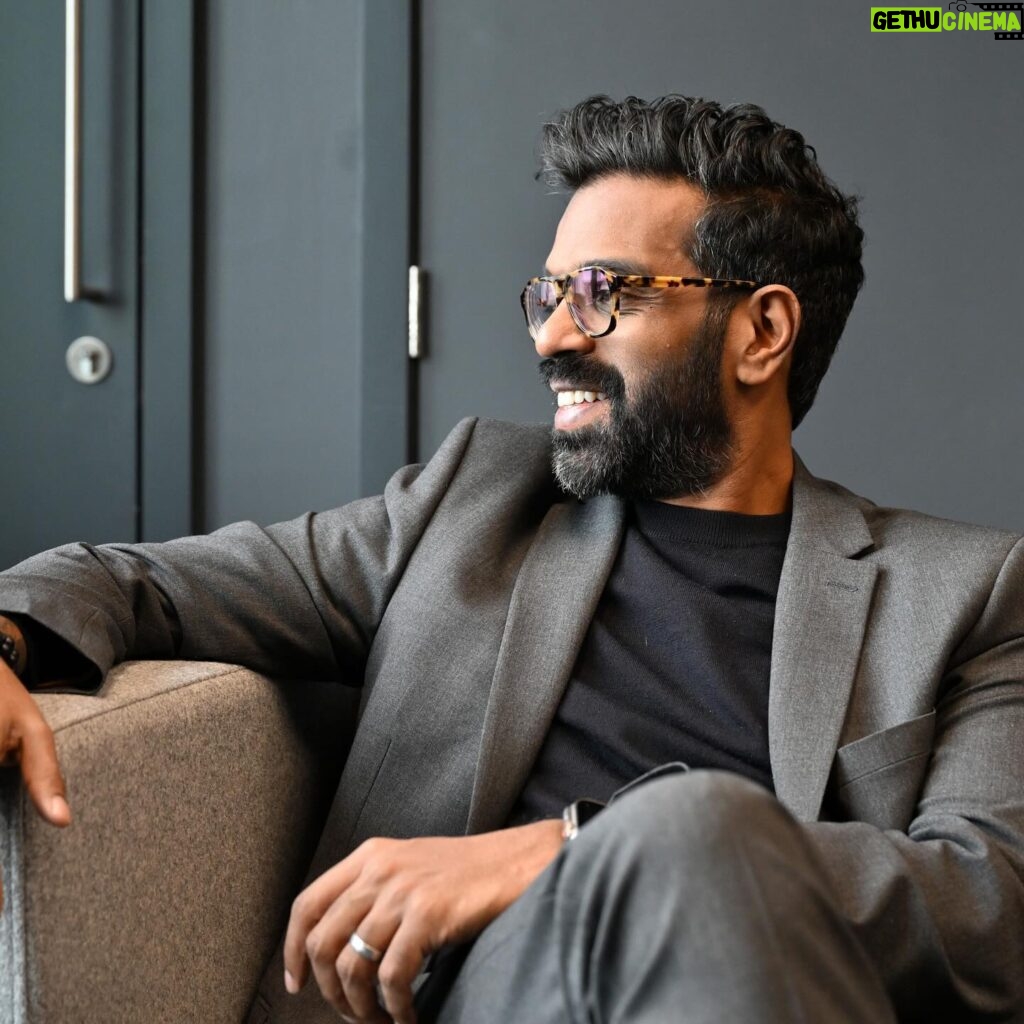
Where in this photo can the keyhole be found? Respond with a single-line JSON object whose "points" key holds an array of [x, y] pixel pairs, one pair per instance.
{"points": [[88, 360], [90, 364]]}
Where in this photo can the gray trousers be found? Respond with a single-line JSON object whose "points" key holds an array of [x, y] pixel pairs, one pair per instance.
{"points": [[693, 898]]}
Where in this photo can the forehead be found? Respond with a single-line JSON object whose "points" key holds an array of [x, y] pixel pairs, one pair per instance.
{"points": [[643, 221]]}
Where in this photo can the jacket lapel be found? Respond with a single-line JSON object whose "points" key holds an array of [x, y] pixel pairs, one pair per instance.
{"points": [[553, 601], [821, 613]]}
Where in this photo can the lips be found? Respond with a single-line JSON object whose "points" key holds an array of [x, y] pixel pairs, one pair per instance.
{"points": [[578, 394]]}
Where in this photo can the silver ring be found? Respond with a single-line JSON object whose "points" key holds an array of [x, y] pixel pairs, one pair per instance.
{"points": [[364, 949]]}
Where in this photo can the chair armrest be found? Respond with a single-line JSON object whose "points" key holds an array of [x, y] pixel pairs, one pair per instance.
{"points": [[198, 792]]}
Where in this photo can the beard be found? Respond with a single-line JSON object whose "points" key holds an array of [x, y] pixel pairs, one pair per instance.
{"points": [[671, 439]]}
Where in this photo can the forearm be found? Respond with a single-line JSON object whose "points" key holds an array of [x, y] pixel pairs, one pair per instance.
{"points": [[302, 598], [89, 599], [523, 852], [232, 596]]}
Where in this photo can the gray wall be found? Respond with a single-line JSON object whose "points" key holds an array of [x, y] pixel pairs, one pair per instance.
{"points": [[921, 407]]}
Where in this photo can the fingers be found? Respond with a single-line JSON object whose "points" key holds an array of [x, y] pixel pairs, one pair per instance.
{"points": [[402, 963], [359, 988], [372, 987], [358, 978], [25, 736], [346, 979], [376, 891], [308, 908], [42, 773]]}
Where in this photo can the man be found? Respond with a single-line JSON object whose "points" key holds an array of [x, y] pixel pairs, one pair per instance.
{"points": [[656, 583]]}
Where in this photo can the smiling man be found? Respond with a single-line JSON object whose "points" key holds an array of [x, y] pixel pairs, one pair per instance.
{"points": [[798, 716]]}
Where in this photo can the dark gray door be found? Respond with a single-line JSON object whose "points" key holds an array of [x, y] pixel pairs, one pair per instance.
{"points": [[303, 254], [260, 368], [68, 470], [921, 406]]}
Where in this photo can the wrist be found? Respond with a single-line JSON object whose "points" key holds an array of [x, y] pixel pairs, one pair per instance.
{"points": [[535, 846], [545, 840], [510, 859]]}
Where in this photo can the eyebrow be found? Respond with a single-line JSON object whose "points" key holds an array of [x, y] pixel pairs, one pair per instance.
{"points": [[614, 265]]}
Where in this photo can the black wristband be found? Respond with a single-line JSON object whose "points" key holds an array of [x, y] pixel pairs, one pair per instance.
{"points": [[9, 652]]}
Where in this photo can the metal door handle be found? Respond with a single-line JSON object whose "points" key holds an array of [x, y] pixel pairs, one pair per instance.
{"points": [[72, 151]]}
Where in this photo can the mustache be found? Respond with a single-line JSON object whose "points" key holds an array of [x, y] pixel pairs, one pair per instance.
{"points": [[585, 372]]}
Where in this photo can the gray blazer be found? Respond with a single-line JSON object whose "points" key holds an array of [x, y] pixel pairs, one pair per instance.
{"points": [[459, 600]]}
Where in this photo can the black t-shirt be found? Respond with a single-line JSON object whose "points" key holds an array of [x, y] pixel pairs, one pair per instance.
{"points": [[675, 664]]}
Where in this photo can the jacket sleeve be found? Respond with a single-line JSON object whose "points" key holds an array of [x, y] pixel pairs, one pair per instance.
{"points": [[941, 907], [301, 598]]}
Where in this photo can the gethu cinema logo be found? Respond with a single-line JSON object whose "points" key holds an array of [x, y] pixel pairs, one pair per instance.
{"points": [[1002, 19]]}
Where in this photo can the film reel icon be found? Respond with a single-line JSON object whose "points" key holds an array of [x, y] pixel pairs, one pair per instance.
{"points": [[961, 5]]}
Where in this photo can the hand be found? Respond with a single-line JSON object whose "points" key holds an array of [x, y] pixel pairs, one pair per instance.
{"points": [[25, 737], [406, 897]]}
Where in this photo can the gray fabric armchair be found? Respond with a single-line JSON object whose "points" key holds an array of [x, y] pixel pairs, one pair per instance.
{"points": [[198, 793]]}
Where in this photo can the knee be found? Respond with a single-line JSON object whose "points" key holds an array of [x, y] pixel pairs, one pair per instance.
{"points": [[706, 811]]}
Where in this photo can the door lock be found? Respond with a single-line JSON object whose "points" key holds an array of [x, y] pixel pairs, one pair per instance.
{"points": [[88, 360]]}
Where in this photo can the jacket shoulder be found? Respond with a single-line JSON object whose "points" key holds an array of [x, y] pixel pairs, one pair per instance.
{"points": [[501, 456], [525, 439], [896, 526], [513, 447]]}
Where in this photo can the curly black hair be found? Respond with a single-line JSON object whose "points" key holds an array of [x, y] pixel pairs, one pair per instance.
{"points": [[771, 216]]}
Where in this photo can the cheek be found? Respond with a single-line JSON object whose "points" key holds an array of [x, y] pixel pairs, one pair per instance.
{"points": [[625, 365], [646, 354], [656, 337], [637, 377]]}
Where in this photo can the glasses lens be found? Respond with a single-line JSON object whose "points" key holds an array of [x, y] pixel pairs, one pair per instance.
{"points": [[539, 302], [590, 300]]}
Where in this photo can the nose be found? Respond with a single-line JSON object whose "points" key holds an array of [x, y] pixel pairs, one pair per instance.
{"points": [[560, 334]]}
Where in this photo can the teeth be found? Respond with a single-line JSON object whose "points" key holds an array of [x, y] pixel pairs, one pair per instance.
{"points": [[577, 397]]}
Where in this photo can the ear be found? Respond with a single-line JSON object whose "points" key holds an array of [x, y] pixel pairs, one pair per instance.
{"points": [[769, 322]]}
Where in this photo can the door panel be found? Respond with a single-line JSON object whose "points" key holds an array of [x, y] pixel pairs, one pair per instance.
{"points": [[266, 368], [69, 466], [280, 250]]}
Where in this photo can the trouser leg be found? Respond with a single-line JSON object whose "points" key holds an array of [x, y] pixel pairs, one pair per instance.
{"points": [[694, 898]]}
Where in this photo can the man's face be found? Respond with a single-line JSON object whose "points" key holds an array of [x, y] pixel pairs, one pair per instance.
{"points": [[663, 430]]}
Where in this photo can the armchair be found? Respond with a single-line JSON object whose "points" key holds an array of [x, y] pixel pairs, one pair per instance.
{"points": [[198, 792]]}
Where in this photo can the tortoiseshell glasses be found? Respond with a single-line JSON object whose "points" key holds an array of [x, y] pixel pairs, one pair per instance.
{"points": [[593, 294]]}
